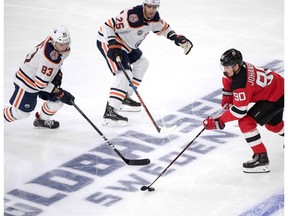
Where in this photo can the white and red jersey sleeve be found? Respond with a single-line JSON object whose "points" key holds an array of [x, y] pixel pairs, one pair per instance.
{"points": [[40, 67], [253, 84]]}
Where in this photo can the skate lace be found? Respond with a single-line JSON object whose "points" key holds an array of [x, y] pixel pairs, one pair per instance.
{"points": [[254, 159], [112, 112], [128, 100], [48, 123]]}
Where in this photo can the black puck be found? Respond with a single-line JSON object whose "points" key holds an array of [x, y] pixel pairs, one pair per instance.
{"points": [[151, 189], [143, 188]]}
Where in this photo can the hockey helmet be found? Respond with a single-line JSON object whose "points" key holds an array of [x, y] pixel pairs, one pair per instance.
{"points": [[61, 35], [151, 2], [231, 57]]}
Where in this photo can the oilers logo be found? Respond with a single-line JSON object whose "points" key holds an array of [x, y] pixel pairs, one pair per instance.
{"points": [[133, 18]]}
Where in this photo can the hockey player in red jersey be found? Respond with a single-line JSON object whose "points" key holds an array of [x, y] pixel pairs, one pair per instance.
{"points": [[121, 36], [41, 75], [244, 84]]}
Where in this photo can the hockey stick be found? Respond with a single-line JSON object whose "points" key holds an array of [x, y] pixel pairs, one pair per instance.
{"points": [[149, 188], [159, 129], [135, 162]]}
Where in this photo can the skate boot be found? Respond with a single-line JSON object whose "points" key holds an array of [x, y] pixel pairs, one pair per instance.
{"points": [[112, 118], [129, 105], [39, 123], [259, 164]]}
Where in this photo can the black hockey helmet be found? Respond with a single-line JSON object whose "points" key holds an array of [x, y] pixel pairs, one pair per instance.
{"points": [[231, 57]]}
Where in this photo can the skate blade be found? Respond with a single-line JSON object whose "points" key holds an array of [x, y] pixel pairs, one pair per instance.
{"points": [[258, 169], [125, 108], [44, 128], [111, 123]]}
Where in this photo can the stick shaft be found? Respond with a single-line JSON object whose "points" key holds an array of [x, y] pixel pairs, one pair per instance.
{"points": [[127, 161]]}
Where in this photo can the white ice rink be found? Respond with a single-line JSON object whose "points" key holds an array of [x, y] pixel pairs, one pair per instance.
{"points": [[72, 171]]}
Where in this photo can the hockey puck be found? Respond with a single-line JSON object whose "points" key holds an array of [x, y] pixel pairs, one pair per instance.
{"points": [[151, 189], [144, 188]]}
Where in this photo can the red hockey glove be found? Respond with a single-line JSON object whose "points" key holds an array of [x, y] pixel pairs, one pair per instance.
{"points": [[227, 99], [211, 124]]}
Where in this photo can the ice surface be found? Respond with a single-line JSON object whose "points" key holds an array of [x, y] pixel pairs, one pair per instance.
{"points": [[72, 171]]}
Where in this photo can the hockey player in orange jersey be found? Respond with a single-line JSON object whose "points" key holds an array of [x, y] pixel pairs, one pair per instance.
{"points": [[41, 75], [244, 84], [121, 37]]}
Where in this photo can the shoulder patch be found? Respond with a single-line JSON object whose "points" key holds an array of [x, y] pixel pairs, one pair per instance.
{"points": [[135, 16], [51, 54], [54, 55]]}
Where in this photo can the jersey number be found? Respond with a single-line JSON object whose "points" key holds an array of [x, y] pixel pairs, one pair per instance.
{"points": [[239, 96], [119, 23], [47, 71], [264, 77]]}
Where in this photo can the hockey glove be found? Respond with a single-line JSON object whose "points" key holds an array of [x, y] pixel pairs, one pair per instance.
{"points": [[227, 99], [64, 96], [211, 124], [182, 41], [57, 81], [114, 50]]}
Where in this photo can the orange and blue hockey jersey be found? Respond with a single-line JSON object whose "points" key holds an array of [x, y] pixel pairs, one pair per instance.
{"points": [[40, 67], [130, 28]]}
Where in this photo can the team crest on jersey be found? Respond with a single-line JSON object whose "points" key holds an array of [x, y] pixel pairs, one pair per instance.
{"points": [[27, 106], [140, 32], [133, 18], [54, 55]]}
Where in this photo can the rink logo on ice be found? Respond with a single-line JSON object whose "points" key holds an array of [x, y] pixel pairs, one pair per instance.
{"points": [[102, 163], [98, 171]]}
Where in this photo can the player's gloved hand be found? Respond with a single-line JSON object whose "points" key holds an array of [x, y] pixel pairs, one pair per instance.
{"points": [[57, 81], [64, 96], [211, 124], [227, 99], [114, 50], [186, 44]]}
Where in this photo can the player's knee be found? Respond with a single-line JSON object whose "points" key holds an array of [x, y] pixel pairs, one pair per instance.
{"points": [[12, 114], [52, 106], [121, 79], [144, 63], [246, 124], [278, 128], [141, 64], [22, 115]]}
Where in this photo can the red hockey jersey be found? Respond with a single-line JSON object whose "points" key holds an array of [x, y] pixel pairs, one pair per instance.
{"points": [[250, 85]]}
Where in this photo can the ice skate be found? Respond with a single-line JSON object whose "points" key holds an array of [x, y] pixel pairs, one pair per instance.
{"points": [[258, 164], [39, 123], [129, 105], [112, 118]]}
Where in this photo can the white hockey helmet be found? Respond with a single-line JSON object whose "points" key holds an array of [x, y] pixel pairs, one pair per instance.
{"points": [[61, 35], [151, 2]]}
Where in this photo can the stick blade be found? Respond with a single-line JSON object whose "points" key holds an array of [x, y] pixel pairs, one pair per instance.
{"points": [[140, 162], [167, 130]]}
